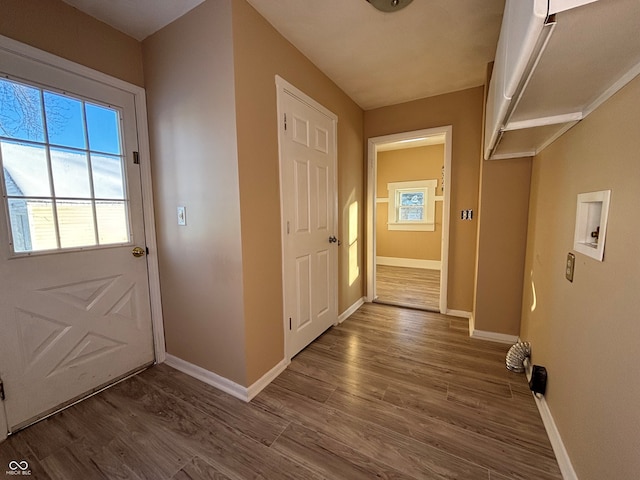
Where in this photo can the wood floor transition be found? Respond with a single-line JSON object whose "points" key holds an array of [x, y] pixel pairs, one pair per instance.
{"points": [[390, 393], [408, 287]]}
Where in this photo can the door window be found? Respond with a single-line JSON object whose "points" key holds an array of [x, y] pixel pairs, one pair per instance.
{"points": [[63, 167]]}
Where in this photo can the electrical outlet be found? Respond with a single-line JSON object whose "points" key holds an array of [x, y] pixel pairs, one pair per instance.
{"points": [[571, 263], [466, 214], [182, 216]]}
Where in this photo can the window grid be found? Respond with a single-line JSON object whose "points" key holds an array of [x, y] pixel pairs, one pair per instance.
{"points": [[54, 199]]}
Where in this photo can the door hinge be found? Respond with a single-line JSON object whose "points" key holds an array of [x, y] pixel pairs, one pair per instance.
{"points": [[287, 227], [285, 122], [136, 158], [289, 329], [1, 390]]}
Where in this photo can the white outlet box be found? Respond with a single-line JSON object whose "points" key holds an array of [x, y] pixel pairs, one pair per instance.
{"points": [[591, 223], [182, 216]]}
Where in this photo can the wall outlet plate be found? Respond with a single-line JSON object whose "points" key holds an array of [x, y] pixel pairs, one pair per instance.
{"points": [[570, 266], [182, 216]]}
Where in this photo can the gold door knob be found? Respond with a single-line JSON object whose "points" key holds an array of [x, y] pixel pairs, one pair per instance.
{"points": [[138, 252]]}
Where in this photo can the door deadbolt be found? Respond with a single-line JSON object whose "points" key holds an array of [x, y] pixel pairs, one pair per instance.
{"points": [[138, 252]]}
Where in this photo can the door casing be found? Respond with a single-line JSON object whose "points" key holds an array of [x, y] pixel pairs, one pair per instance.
{"points": [[15, 47], [373, 143]]}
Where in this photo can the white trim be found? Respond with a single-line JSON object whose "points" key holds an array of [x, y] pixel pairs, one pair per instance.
{"points": [[208, 377], [46, 58], [409, 262], [372, 148], [584, 211], [351, 310], [506, 156], [632, 73], [472, 324], [555, 136], [256, 387], [492, 336], [224, 384], [155, 297], [459, 313], [562, 456], [543, 121], [283, 85]]}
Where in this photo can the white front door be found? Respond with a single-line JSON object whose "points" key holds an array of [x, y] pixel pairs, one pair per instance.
{"points": [[74, 301], [309, 203]]}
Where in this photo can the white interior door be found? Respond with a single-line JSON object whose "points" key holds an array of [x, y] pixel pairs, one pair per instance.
{"points": [[74, 312], [309, 202]]}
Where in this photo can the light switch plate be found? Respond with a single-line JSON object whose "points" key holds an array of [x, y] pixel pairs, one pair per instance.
{"points": [[182, 216], [571, 263]]}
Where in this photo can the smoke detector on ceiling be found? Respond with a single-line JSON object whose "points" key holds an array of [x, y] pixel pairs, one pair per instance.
{"points": [[389, 5]]}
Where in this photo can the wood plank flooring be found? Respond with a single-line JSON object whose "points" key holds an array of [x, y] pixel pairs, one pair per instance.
{"points": [[390, 393], [408, 287]]}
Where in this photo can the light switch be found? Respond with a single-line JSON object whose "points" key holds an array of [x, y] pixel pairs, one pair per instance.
{"points": [[571, 262], [182, 216]]}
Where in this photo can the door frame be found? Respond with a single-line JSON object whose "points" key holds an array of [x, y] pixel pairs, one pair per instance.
{"points": [[40, 56], [372, 161], [282, 88]]}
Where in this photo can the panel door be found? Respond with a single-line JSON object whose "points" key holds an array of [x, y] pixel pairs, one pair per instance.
{"points": [[309, 205], [75, 311]]}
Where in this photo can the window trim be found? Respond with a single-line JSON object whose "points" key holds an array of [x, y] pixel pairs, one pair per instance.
{"points": [[428, 224]]}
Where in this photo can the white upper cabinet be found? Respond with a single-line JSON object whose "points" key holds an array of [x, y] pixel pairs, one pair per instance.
{"points": [[556, 61]]}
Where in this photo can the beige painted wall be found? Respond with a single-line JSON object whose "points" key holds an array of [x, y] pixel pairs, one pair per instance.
{"points": [[587, 332], [55, 27], [260, 53], [462, 110], [420, 163], [502, 238], [190, 87]]}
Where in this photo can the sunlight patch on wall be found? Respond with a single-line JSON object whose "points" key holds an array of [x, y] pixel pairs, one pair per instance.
{"points": [[534, 301], [354, 267]]}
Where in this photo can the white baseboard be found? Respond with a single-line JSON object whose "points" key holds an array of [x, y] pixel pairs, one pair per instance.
{"points": [[409, 262], [458, 313], [492, 336], [350, 311], [562, 456], [256, 387], [222, 383]]}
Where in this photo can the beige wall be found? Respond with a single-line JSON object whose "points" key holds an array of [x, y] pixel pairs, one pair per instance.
{"points": [[190, 87], [420, 163], [260, 53], [462, 110], [55, 27], [586, 333], [502, 238]]}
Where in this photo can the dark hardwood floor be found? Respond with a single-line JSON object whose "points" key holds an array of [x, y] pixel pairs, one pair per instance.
{"points": [[408, 287], [390, 393]]}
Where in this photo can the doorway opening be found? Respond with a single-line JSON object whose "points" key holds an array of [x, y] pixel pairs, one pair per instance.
{"points": [[408, 220]]}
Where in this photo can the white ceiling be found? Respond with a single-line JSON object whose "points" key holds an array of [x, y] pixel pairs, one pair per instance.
{"points": [[136, 18], [429, 48]]}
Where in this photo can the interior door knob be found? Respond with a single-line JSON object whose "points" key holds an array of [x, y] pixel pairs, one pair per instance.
{"points": [[332, 239], [138, 252]]}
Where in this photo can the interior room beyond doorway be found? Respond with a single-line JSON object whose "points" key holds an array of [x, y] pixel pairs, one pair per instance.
{"points": [[410, 178]]}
